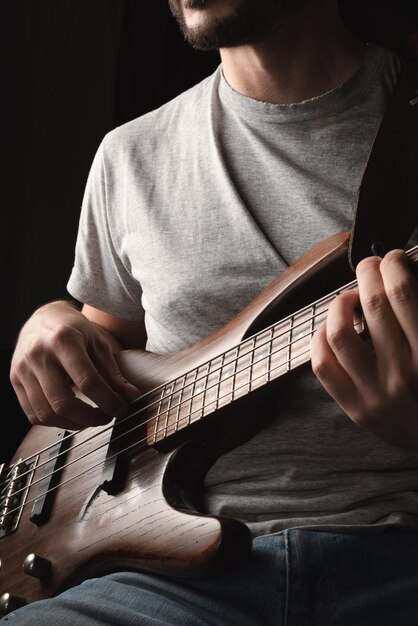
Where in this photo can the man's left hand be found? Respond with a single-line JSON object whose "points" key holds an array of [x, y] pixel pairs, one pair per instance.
{"points": [[377, 384]]}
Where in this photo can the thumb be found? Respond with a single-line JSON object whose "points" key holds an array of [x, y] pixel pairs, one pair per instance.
{"points": [[109, 369]]}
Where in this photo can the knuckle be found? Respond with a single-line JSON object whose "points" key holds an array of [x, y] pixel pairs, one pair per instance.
{"points": [[321, 368], [60, 337], [44, 416], [39, 348], [60, 406], [15, 379], [85, 381], [339, 337], [35, 353], [401, 291], [374, 303], [21, 369], [32, 419]]}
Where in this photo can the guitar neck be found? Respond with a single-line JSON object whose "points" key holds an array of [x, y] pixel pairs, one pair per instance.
{"points": [[253, 363]]}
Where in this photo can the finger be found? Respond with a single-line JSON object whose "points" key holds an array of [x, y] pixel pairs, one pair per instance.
{"points": [[329, 372], [351, 352], [108, 367], [85, 376], [25, 404], [42, 412], [65, 407], [402, 291], [387, 336]]}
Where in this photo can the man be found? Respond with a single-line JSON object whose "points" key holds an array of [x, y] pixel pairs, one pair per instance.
{"points": [[188, 213]]}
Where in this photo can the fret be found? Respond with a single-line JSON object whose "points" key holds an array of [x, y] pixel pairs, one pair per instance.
{"points": [[158, 415], [206, 387], [289, 344], [179, 402], [313, 321], [269, 354], [169, 398], [251, 365], [312, 327], [218, 385], [233, 375], [192, 395]]}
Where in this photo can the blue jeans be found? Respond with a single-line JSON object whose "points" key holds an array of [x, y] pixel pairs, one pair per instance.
{"points": [[297, 578]]}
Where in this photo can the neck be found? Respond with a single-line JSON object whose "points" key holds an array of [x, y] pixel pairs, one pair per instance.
{"points": [[311, 54]]}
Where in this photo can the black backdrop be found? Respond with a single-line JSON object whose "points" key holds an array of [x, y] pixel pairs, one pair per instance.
{"points": [[73, 70]]}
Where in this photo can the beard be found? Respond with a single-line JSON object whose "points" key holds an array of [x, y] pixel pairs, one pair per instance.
{"points": [[251, 22]]}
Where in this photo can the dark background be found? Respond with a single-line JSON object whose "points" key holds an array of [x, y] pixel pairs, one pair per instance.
{"points": [[72, 71]]}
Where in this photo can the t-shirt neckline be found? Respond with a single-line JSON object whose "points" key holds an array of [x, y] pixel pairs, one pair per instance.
{"points": [[325, 104]]}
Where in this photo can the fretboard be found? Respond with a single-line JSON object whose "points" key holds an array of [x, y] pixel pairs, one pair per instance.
{"points": [[255, 362]]}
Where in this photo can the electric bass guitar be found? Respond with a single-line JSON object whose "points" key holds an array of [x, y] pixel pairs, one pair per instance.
{"points": [[126, 495]]}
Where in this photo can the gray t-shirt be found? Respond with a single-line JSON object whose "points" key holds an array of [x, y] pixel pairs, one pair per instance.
{"points": [[189, 212]]}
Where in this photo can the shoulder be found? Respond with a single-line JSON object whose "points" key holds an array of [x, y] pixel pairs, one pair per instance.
{"points": [[154, 127]]}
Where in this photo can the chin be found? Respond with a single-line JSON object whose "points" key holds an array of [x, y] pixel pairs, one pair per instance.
{"points": [[215, 24]]}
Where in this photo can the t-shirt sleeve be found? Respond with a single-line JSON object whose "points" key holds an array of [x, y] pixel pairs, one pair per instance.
{"points": [[99, 278]]}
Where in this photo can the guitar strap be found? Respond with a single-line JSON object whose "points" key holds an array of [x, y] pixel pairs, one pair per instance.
{"points": [[387, 206]]}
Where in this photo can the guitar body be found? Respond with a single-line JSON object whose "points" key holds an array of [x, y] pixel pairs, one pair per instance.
{"points": [[144, 516]]}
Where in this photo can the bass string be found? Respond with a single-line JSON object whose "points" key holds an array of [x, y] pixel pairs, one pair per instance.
{"points": [[126, 449], [325, 298], [170, 396], [305, 321], [172, 407], [89, 469], [214, 371], [144, 423]]}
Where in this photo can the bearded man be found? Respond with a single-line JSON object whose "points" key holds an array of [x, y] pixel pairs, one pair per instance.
{"points": [[189, 212]]}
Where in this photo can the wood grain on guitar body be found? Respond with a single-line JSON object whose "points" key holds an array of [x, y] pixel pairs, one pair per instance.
{"points": [[125, 496]]}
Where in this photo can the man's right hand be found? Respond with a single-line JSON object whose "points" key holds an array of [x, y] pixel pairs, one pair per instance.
{"points": [[59, 349]]}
